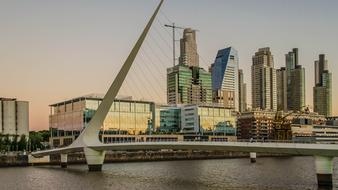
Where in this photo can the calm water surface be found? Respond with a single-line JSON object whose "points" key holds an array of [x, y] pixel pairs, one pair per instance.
{"points": [[294, 173]]}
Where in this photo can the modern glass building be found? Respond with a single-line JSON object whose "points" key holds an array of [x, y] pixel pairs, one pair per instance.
{"points": [[188, 85], [295, 82], [322, 92], [225, 80], [217, 119], [170, 118], [128, 117], [242, 92], [282, 91], [193, 119]]}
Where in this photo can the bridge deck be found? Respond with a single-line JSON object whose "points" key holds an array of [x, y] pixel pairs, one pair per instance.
{"points": [[282, 148]]}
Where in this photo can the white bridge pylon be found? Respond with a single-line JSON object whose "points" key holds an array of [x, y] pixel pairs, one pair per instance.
{"points": [[89, 137]]}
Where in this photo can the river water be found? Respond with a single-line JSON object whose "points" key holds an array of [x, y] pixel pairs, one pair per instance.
{"points": [[285, 173]]}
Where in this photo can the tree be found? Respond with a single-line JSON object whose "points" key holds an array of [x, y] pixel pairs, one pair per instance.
{"points": [[2, 144], [22, 143], [7, 142], [14, 143]]}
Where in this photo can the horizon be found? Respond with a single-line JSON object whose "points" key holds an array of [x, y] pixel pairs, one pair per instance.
{"points": [[64, 56]]}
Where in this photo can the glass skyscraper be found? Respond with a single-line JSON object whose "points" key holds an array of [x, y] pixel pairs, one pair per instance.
{"points": [[225, 80], [188, 85], [322, 92], [291, 84]]}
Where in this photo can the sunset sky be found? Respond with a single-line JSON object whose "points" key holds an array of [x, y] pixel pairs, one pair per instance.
{"points": [[51, 51]]}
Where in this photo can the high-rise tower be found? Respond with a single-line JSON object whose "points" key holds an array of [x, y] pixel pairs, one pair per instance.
{"points": [[296, 81], [225, 83], [291, 84], [263, 75], [322, 92], [242, 91], [282, 89], [186, 82], [188, 47]]}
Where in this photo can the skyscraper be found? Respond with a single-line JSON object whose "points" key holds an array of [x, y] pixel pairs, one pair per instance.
{"points": [[188, 47], [322, 92], [296, 82], [282, 89], [242, 91], [188, 85], [225, 84], [263, 75], [291, 84], [186, 82]]}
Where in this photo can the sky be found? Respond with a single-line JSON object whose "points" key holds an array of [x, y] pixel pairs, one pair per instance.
{"points": [[51, 51]]}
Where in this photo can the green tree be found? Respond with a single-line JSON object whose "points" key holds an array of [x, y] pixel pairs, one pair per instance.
{"points": [[35, 139], [7, 143], [14, 143], [22, 144], [2, 145]]}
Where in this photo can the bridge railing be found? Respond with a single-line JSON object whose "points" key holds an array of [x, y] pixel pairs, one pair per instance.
{"points": [[221, 140]]}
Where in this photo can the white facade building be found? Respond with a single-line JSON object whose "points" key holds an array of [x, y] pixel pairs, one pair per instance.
{"points": [[263, 78], [189, 119], [14, 117]]}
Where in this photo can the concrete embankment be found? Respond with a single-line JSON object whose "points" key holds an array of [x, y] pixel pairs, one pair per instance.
{"points": [[121, 156], [13, 160], [141, 156]]}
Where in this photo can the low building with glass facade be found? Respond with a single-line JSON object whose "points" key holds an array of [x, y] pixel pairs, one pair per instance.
{"points": [[208, 119], [169, 119], [126, 117]]}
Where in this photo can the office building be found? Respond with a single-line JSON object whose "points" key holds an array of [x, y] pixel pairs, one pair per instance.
{"points": [[188, 49], [126, 117], [188, 85], [241, 92], [282, 89], [263, 77], [14, 117], [169, 119], [256, 124], [295, 82], [192, 119], [314, 131], [225, 80], [265, 125], [322, 92]]}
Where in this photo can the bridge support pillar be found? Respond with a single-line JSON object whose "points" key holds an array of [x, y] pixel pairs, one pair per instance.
{"points": [[253, 157], [324, 170], [94, 159], [64, 159]]}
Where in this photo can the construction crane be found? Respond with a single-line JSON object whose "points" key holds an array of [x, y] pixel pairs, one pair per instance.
{"points": [[282, 125], [174, 27]]}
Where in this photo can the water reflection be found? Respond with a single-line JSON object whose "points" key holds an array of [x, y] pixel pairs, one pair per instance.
{"points": [[288, 173]]}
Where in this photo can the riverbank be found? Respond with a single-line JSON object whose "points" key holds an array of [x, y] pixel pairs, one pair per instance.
{"points": [[122, 156], [13, 160]]}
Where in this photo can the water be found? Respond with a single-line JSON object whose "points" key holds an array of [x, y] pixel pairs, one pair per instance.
{"points": [[289, 173]]}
